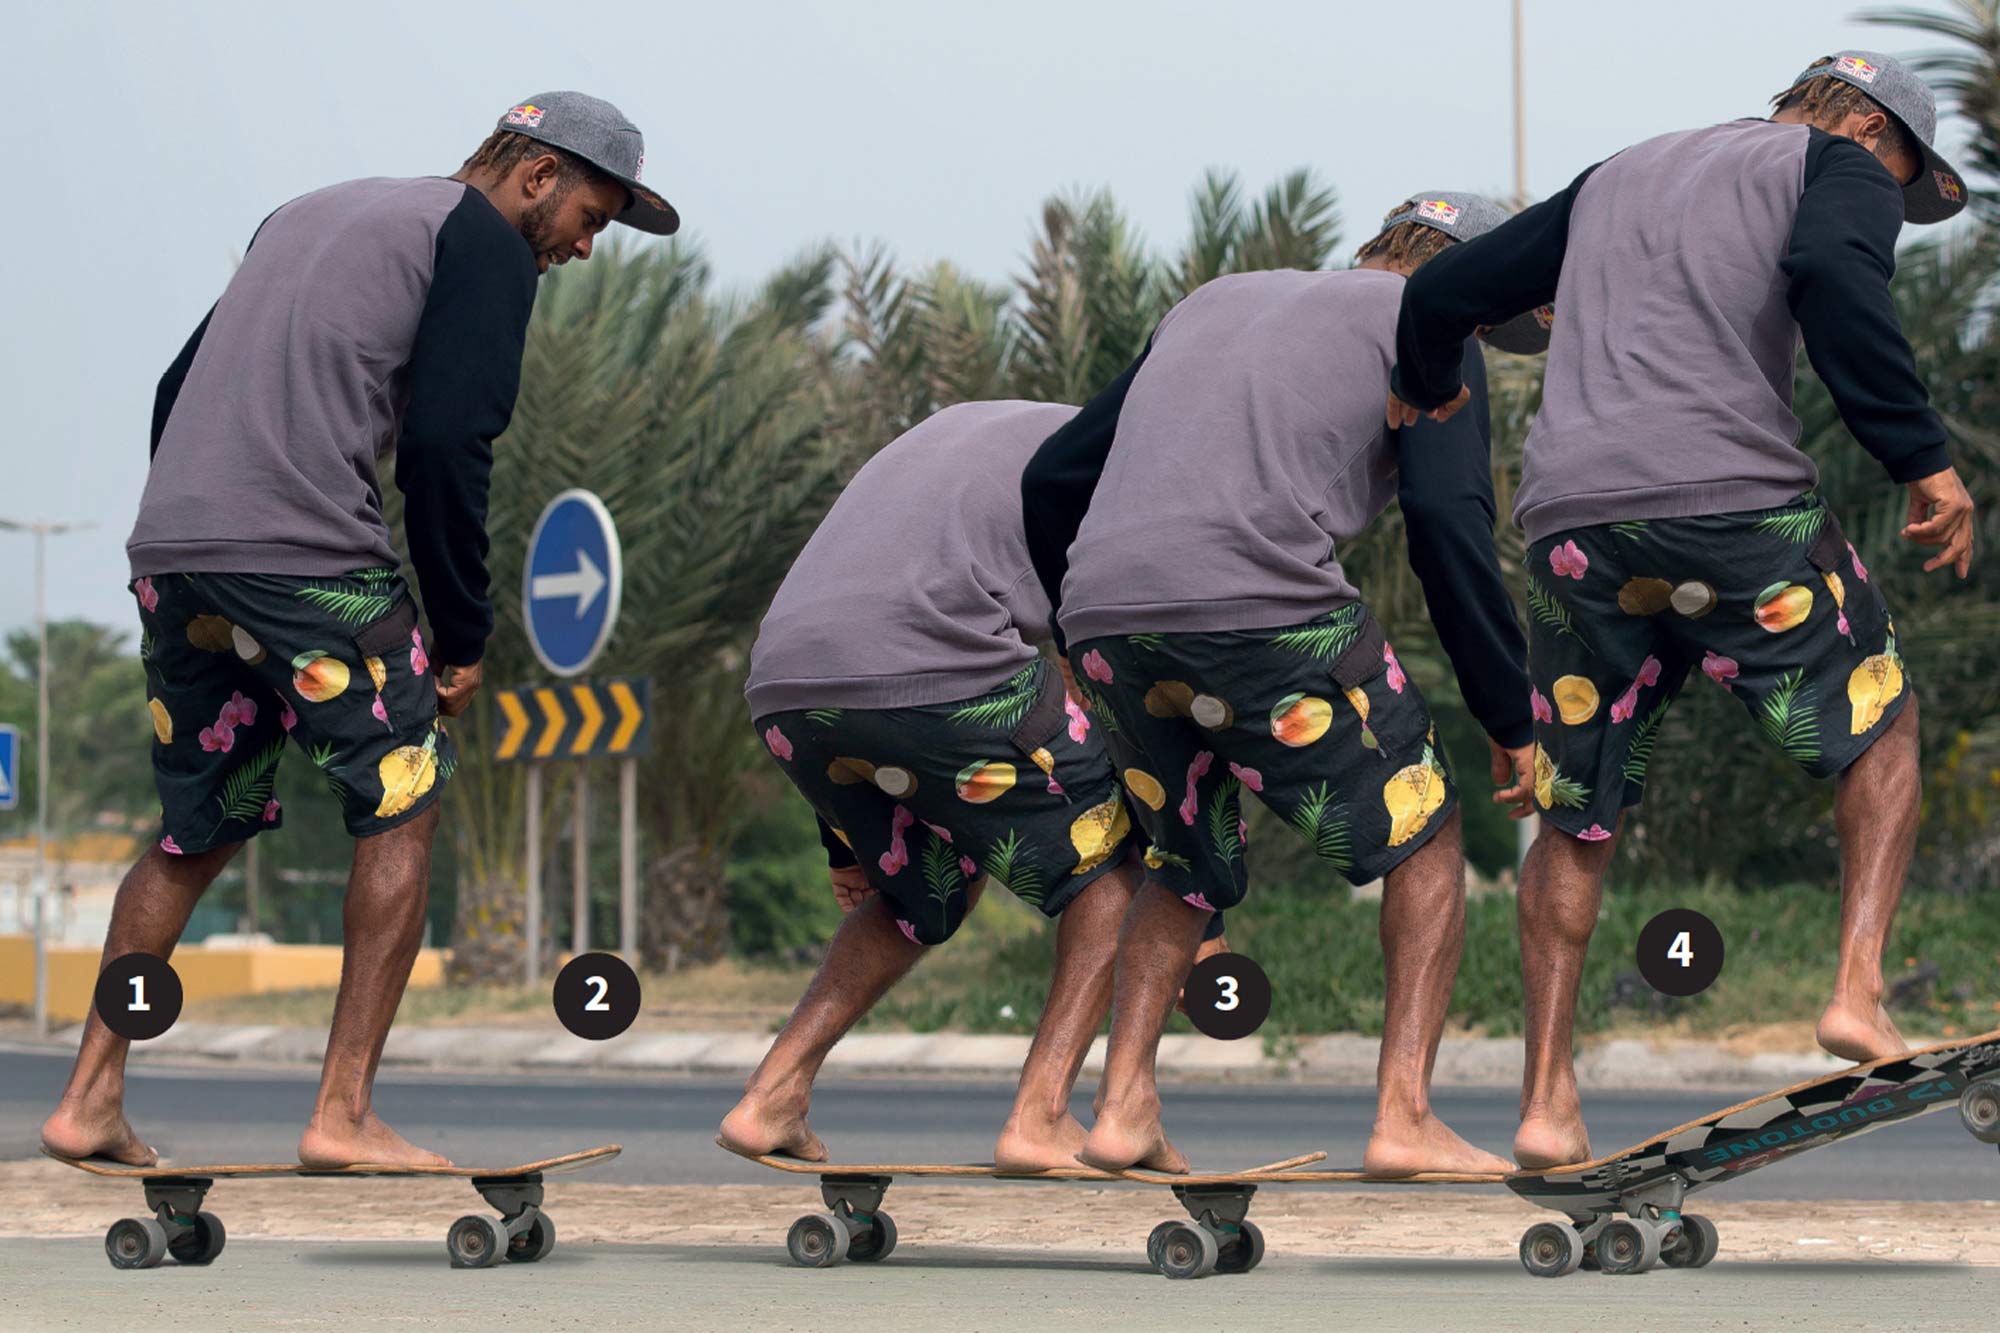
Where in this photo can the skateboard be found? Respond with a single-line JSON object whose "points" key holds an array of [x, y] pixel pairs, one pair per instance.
{"points": [[522, 1234], [1649, 1181]]}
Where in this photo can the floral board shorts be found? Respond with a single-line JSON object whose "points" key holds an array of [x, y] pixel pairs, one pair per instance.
{"points": [[1317, 720], [1772, 605], [236, 663], [1013, 784]]}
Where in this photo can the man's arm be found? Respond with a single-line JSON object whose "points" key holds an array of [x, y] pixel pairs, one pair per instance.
{"points": [[1059, 480], [1478, 283], [464, 372], [169, 391], [1446, 488]]}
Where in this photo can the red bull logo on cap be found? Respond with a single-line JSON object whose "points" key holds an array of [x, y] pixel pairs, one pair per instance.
{"points": [[527, 114], [1856, 67], [1948, 186], [1545, 316], [1439, 212]]}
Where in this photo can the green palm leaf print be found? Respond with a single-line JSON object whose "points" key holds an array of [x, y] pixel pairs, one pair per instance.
{"points": [[1324, 639], [1639, 749], [823, 717], [1174, 859], [1796, 525], [1006, 864], [1100, 712], [942, 874], [1224, 813], [1632, 530], [322, 755], [350, 608], [249, 785], [1318, 822], [1005, 706], [1548, 609], [1790, 720], [1568, 792], [1153, 641]]}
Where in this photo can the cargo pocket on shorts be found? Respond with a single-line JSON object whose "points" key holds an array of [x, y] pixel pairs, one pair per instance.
{"points": [[380, 637], [1829, 550], [1391, 717]]}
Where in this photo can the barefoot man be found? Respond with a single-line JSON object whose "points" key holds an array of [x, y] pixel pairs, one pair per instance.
{"points": [[1185, 524], [374, 314], [897, 681], [1671, 517]]}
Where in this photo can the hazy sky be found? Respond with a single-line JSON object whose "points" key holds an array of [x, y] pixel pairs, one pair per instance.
{"points": [[150, 139]]}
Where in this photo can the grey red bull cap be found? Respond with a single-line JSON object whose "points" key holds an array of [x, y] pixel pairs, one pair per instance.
{"points": [[1938, 192], [597, 132], [1462, 216]]}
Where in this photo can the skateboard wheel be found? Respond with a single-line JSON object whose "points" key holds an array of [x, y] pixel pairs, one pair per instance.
{"points": [[533, 1245], [136, 1242], [200, 1243], [1696, 1245], [1627, 1246], [1243, 1252], [475, 1241], [1154, 1241], [1979, 1108], [1551, 1249], [875, 1242], [1188, 1251], [818, 1240]]}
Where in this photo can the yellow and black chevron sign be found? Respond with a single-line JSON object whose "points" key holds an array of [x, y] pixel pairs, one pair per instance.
{"points": [[575, 720]]}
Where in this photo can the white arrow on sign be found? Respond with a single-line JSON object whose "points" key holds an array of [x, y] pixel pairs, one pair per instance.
{"points": [[583, 583]]}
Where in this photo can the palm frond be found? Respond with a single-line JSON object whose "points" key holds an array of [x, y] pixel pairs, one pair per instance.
{"points": [[1795, 525], [1001, 710], [1005, 863], [1549, 609], [1639, 746], [1318, 822], [350, 608], [1224, 813], [249, 785], [1790, 720]]}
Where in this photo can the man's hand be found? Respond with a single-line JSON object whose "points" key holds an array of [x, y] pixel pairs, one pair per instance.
{"points": [[1518, 765], [1941, 515], [455, 687], [1401, 414], [850, 887], [1069, 683]]}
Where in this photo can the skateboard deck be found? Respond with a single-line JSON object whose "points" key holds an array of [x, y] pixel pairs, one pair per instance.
{"points": [[1649, 1180], [178, 1226]]}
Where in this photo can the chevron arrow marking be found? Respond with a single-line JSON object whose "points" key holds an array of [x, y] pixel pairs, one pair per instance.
{"points": [[630, 715], [553, 720], [593, 718], [517, 723]]}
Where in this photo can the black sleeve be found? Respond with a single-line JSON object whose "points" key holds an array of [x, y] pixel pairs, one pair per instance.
{"points": [[838, 854], [1445, 484], [1059, 480], [464, 372], [1837, 267], [170, 383], [1482, 282]]}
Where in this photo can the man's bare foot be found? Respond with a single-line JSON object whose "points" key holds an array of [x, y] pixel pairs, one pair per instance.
{"points": [[329, 1143], [1860, 1033], [1122, 1140], [1404, 1148], [1038, 1144], [1548, 1138], [79, 1130], [773, 1124]]}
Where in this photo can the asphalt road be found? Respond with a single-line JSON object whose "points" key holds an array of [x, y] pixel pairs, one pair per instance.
{"points": [[667, 1124]]}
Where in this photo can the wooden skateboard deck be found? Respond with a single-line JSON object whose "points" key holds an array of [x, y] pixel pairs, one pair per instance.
{"points": [[549, 1166], [799, 1166]]}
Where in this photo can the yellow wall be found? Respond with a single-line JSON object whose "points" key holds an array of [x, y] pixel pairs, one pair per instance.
{"points": [[205, 973]]}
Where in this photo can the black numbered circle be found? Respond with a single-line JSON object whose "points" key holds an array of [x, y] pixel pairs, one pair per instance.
{"points": [[1228, 996], [597, 996], [1680, 952], [139, 996]]}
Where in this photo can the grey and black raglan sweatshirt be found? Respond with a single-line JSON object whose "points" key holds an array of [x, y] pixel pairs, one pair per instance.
{"points": [[369, 315], [1211, 486], [1685, 272]]}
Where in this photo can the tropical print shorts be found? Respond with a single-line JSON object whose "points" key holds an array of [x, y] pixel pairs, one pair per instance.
{"points": [[1772, 605], [1013, 784], [236, 663], [1317, 720]]}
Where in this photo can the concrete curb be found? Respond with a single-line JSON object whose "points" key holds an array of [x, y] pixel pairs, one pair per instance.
{"points": [[1340, 1058]]}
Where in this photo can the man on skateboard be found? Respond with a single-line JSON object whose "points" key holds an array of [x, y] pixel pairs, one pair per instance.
{"points": [[1185, 525], [1671, 518], [368, 315], [897, 681]]}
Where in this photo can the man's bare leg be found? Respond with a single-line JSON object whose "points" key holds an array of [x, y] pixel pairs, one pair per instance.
{"points": [[151, 910], [1040, 1132], [1155, 950], [1561, 887], [1423, 935], [1875, 811], [382, 925], [868, 955]]}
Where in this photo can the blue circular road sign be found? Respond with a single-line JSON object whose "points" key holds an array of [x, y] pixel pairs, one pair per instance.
{"points": [[571, 582]]}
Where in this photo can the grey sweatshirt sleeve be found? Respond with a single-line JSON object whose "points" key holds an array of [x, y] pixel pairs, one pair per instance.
{"points": [[1445, 484], [464, 373], [1837, 268]]}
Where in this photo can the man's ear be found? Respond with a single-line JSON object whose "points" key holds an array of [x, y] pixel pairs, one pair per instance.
{"points": [[1869, 132], [538, 176]]}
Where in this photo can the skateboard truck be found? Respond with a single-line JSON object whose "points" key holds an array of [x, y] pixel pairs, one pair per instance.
{"points": [[178, 1226], [1219, 1239], [852, 1227], [1653, 1231], [522, 1234]]}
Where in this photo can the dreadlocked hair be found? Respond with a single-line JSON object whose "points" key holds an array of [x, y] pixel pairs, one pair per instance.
{"points": [[1407, 244], [504, 150], [1825, 100]]}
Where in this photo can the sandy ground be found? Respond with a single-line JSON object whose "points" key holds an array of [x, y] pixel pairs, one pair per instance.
{"points": [[52, 1200]]}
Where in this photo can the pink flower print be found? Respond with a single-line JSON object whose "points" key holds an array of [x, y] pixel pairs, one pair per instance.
{"points": [[381, 713], [775, 742], [148, 598], [1397, 680], [238, 712], [1569, 559], [898, 855], [1249, 777], [419, 660], [1095, 667], [1721, 670], [271, 811], [1540, 706], [944, 834], [288, 719], [1860, 570], [1841, 623], [1628, 704], [1649, 672], [169, 846], [968, 868], [1195, 770], [1079, 721], [1055, 788], [1595, 833], [909, 931], [1197, 900], [218, 737], [1243, 832]]}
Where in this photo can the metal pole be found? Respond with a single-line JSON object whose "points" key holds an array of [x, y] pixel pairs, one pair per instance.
{"points": [[579, 935], [1520, 116], [250, 888], [41, 784], [532, 926], [628, 861]]}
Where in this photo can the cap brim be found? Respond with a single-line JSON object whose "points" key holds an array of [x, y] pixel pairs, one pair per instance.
{"points": [[648, 212], [1523, 335], [1926, 199]]}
